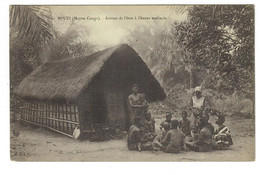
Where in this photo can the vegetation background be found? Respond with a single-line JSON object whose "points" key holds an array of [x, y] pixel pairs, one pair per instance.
{"points": [[213, 48]]}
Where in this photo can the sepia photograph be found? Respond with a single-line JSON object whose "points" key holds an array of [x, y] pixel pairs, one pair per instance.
{"points": [[131, 83]]}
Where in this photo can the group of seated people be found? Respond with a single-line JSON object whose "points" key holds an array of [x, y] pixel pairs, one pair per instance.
{"points": [[176, 136]]}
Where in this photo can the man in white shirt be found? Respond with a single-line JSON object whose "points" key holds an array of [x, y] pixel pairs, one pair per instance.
{"points": [[197, 106]]}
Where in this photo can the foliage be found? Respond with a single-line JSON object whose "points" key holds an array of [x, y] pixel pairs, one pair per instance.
{"points": [[220, 40], [214, 47], [33, 41], [31, 21], [71, 44], [30, 31], [157, 46]]}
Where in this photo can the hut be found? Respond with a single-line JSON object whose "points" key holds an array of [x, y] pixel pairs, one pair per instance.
{"points": [[89, 92]]}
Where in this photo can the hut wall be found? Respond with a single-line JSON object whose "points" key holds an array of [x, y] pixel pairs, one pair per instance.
{"points": [[62, 118], [85, 111], [116, 108]]}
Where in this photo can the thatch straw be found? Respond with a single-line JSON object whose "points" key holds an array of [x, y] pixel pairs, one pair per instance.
{"points": [[65, 80]]}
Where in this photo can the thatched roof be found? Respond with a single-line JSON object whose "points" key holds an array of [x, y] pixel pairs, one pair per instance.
{"points": [[65, 80]]}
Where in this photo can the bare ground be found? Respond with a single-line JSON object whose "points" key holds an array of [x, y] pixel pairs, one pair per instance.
{"points": [[36, 144]]}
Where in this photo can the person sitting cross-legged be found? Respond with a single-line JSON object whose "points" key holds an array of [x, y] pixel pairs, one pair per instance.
{"points": [[203, 143], [185, 124], [146, 139], [168, 120], [149, 122], [174, 139], [157, 141], [222, 138], [134, 135]]}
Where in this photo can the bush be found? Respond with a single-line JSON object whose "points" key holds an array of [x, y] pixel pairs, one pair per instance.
{"points": [[178, 99]]}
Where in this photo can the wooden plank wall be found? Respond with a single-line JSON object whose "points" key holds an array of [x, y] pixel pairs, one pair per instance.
{"points": [[62, 118]]}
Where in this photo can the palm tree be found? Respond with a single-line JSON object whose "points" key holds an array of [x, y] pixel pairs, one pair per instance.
{"points": [[31, 21], [30, 32]]}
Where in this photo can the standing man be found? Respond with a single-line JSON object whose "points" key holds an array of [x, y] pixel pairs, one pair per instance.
{"points": [[197, 106], [137, 103]]}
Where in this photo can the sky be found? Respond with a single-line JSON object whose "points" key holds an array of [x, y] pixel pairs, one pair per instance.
{"points": [[104, 24]]}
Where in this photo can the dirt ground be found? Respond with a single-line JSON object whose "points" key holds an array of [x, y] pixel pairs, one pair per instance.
{"points": [[36, 144]]}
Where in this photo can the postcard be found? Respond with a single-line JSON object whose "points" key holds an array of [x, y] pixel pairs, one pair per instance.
{"points": [[132, 83]]}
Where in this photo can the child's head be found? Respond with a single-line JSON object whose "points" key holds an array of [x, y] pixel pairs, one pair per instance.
{"points": [[135, 88], [203, 121], [220, 120], [175, 124], [148, 115], [138, 121], [142, 131], [195, 129], [205, 114], [142, 96], [168, 116], [198, 92], [150, 137], [151, 128], [166, 126], [184, 114]]}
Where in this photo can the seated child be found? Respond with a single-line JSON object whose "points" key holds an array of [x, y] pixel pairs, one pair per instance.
{"points": [[168, 120], [134, 135], [142, 101], [185, 124], [174, 139], [203, 140], [145, 140], [222, 138], [117, 130], [149, 123], [157, 145]]}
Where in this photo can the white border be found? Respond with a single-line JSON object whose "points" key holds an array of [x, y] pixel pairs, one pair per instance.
{"points": [[8, 167]]}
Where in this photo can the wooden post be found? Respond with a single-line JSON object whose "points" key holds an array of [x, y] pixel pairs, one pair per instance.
{"points": [[48, 113], [25, 108], [59, 116], [35, 112], [38, 112], [67, 126], [28, 107], [74, 112], [71, 119], [31, 112], [21, 109], [41, 114], [45, 114], [45, 105], [55, 116], [63, 117]]}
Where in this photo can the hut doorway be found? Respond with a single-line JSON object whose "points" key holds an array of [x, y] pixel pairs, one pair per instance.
{"points": [[116, 108]]}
